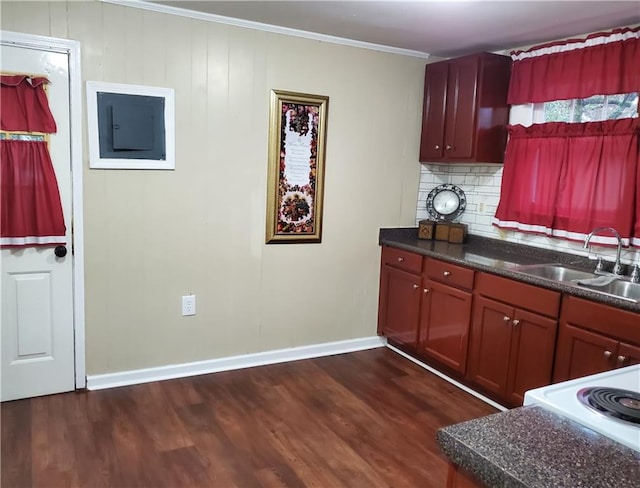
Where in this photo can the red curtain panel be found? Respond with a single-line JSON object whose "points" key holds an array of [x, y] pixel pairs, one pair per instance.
{"points": [[602, 64], [30, 208], [24, 104], [564, 180]]}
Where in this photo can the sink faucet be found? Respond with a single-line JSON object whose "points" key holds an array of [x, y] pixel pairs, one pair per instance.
{"points": [[617, 267]]}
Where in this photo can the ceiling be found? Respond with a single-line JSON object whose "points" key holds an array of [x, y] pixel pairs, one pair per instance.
{"points": [[440, 28]]}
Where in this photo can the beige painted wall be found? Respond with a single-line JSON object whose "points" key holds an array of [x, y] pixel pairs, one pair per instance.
{"points": [[152, 236]]}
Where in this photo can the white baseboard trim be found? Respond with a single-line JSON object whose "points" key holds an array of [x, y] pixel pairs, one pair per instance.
{"points": [[138, 376], [448, 379]]}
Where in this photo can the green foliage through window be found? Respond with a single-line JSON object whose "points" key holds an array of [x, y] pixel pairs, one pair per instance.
{"points": [[592, 109]]}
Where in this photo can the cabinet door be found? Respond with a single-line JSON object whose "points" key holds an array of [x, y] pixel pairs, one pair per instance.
{"points": [[461, 108], [444, 324], [532, 352], [399, 306], [627, 355], [433, 115], [581, 353], [490, 342]]}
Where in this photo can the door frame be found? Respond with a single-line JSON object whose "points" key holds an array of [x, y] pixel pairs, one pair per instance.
{"points": [[72, 49]]}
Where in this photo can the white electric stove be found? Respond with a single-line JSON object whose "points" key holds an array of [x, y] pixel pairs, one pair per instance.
{"points": [[608, 403]]}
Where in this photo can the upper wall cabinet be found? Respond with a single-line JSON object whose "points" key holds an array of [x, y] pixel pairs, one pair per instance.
{"points": [[465, 110]]}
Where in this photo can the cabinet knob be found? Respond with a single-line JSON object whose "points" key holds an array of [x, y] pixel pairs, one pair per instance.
{"points": [[621, 359], [437, 148], [425, 291], [415, 287], [506, 319], [449, 147], [446, 273], [607, 354], [515, 322], [400, 260]]}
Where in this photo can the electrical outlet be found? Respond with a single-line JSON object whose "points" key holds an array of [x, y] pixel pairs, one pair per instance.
{"points": [[188, 305]]}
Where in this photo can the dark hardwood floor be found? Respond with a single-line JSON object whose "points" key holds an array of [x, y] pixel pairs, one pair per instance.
{"points": [[365, 419]]}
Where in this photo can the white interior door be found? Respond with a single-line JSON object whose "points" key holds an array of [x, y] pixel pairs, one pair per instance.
{"points": [[36, 286]]}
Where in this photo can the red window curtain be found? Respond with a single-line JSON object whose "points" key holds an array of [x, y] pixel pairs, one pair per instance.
{"points": [[24, 105], [564, 179], [30, 207], [601, 64]]}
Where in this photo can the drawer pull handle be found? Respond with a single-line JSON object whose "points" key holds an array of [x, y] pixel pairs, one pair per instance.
{"points": [[426, 290], [400, 260], [449, 147], [621, 359], [607, 354], [437, 148], [516, 321], [506, 319], [446, 273], [415, 287]]}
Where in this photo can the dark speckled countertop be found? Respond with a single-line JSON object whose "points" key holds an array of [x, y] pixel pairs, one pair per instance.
{"points": [[530, 447], [499, 257]]}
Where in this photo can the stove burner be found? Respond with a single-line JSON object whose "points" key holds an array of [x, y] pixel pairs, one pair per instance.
{"points": [[613, 402]]}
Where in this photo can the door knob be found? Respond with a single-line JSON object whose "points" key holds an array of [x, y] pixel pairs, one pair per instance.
{"points": [[515, 322], [60, 251], [621, 359], [607, 354]]}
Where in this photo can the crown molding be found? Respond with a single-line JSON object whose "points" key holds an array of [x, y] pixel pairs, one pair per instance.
{"points": [[248, 24]]}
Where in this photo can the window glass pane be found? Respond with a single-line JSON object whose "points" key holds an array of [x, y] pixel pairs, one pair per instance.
{"points": [[589, 109], [558, 111], [592, 109], [622, 106]]}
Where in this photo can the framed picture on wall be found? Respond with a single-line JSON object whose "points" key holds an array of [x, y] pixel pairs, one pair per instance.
{"points": [[297, 138]]}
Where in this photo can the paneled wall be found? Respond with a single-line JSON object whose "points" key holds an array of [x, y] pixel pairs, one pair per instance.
{"points": [[153, 236]]}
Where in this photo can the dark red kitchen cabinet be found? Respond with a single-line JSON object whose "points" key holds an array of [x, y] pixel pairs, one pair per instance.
{"points": [[627, 355], [594, 338], [532, 351], [581, 353], [445, 313], [512, 338], [399, 300], [465, 109], [490, 344]]}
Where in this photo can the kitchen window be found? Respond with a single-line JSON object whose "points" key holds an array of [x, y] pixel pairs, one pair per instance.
{"points": [[576, 166], [592, 109]]}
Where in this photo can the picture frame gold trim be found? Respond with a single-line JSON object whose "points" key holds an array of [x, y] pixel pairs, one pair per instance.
{"points": [[295, 178]]}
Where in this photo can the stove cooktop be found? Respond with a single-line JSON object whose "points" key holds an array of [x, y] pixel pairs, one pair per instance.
{"points": [[563, 399]]}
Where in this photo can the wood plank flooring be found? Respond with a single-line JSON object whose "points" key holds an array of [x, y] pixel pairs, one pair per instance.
{"points": [[365, 419]]}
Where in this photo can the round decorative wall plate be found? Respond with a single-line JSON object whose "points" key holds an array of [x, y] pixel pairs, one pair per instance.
{"points": [[446, 202]]}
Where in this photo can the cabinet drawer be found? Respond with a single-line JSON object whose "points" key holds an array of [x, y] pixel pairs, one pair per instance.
{"points": [[521, 295], [599, 317], [405, 260], [450, 274]]}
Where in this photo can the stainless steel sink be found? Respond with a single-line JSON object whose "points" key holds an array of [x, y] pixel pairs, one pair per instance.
{"points": [[617, 288], [613, 286], [555, 272]]}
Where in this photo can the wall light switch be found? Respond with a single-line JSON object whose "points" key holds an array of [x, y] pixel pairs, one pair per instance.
{"points": [[188, 305]]}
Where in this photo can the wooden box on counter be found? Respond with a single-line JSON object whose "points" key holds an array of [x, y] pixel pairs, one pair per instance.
{"points": [[426, 229], [448, 231]]}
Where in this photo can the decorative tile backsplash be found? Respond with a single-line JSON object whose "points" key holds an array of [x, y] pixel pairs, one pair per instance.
{"points": [[481, 185]]}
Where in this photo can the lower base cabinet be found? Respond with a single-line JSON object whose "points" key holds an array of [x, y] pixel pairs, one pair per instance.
{"points": [[399, 300], [594, 338], [511, 349], [495, 334], [445, 313]]}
